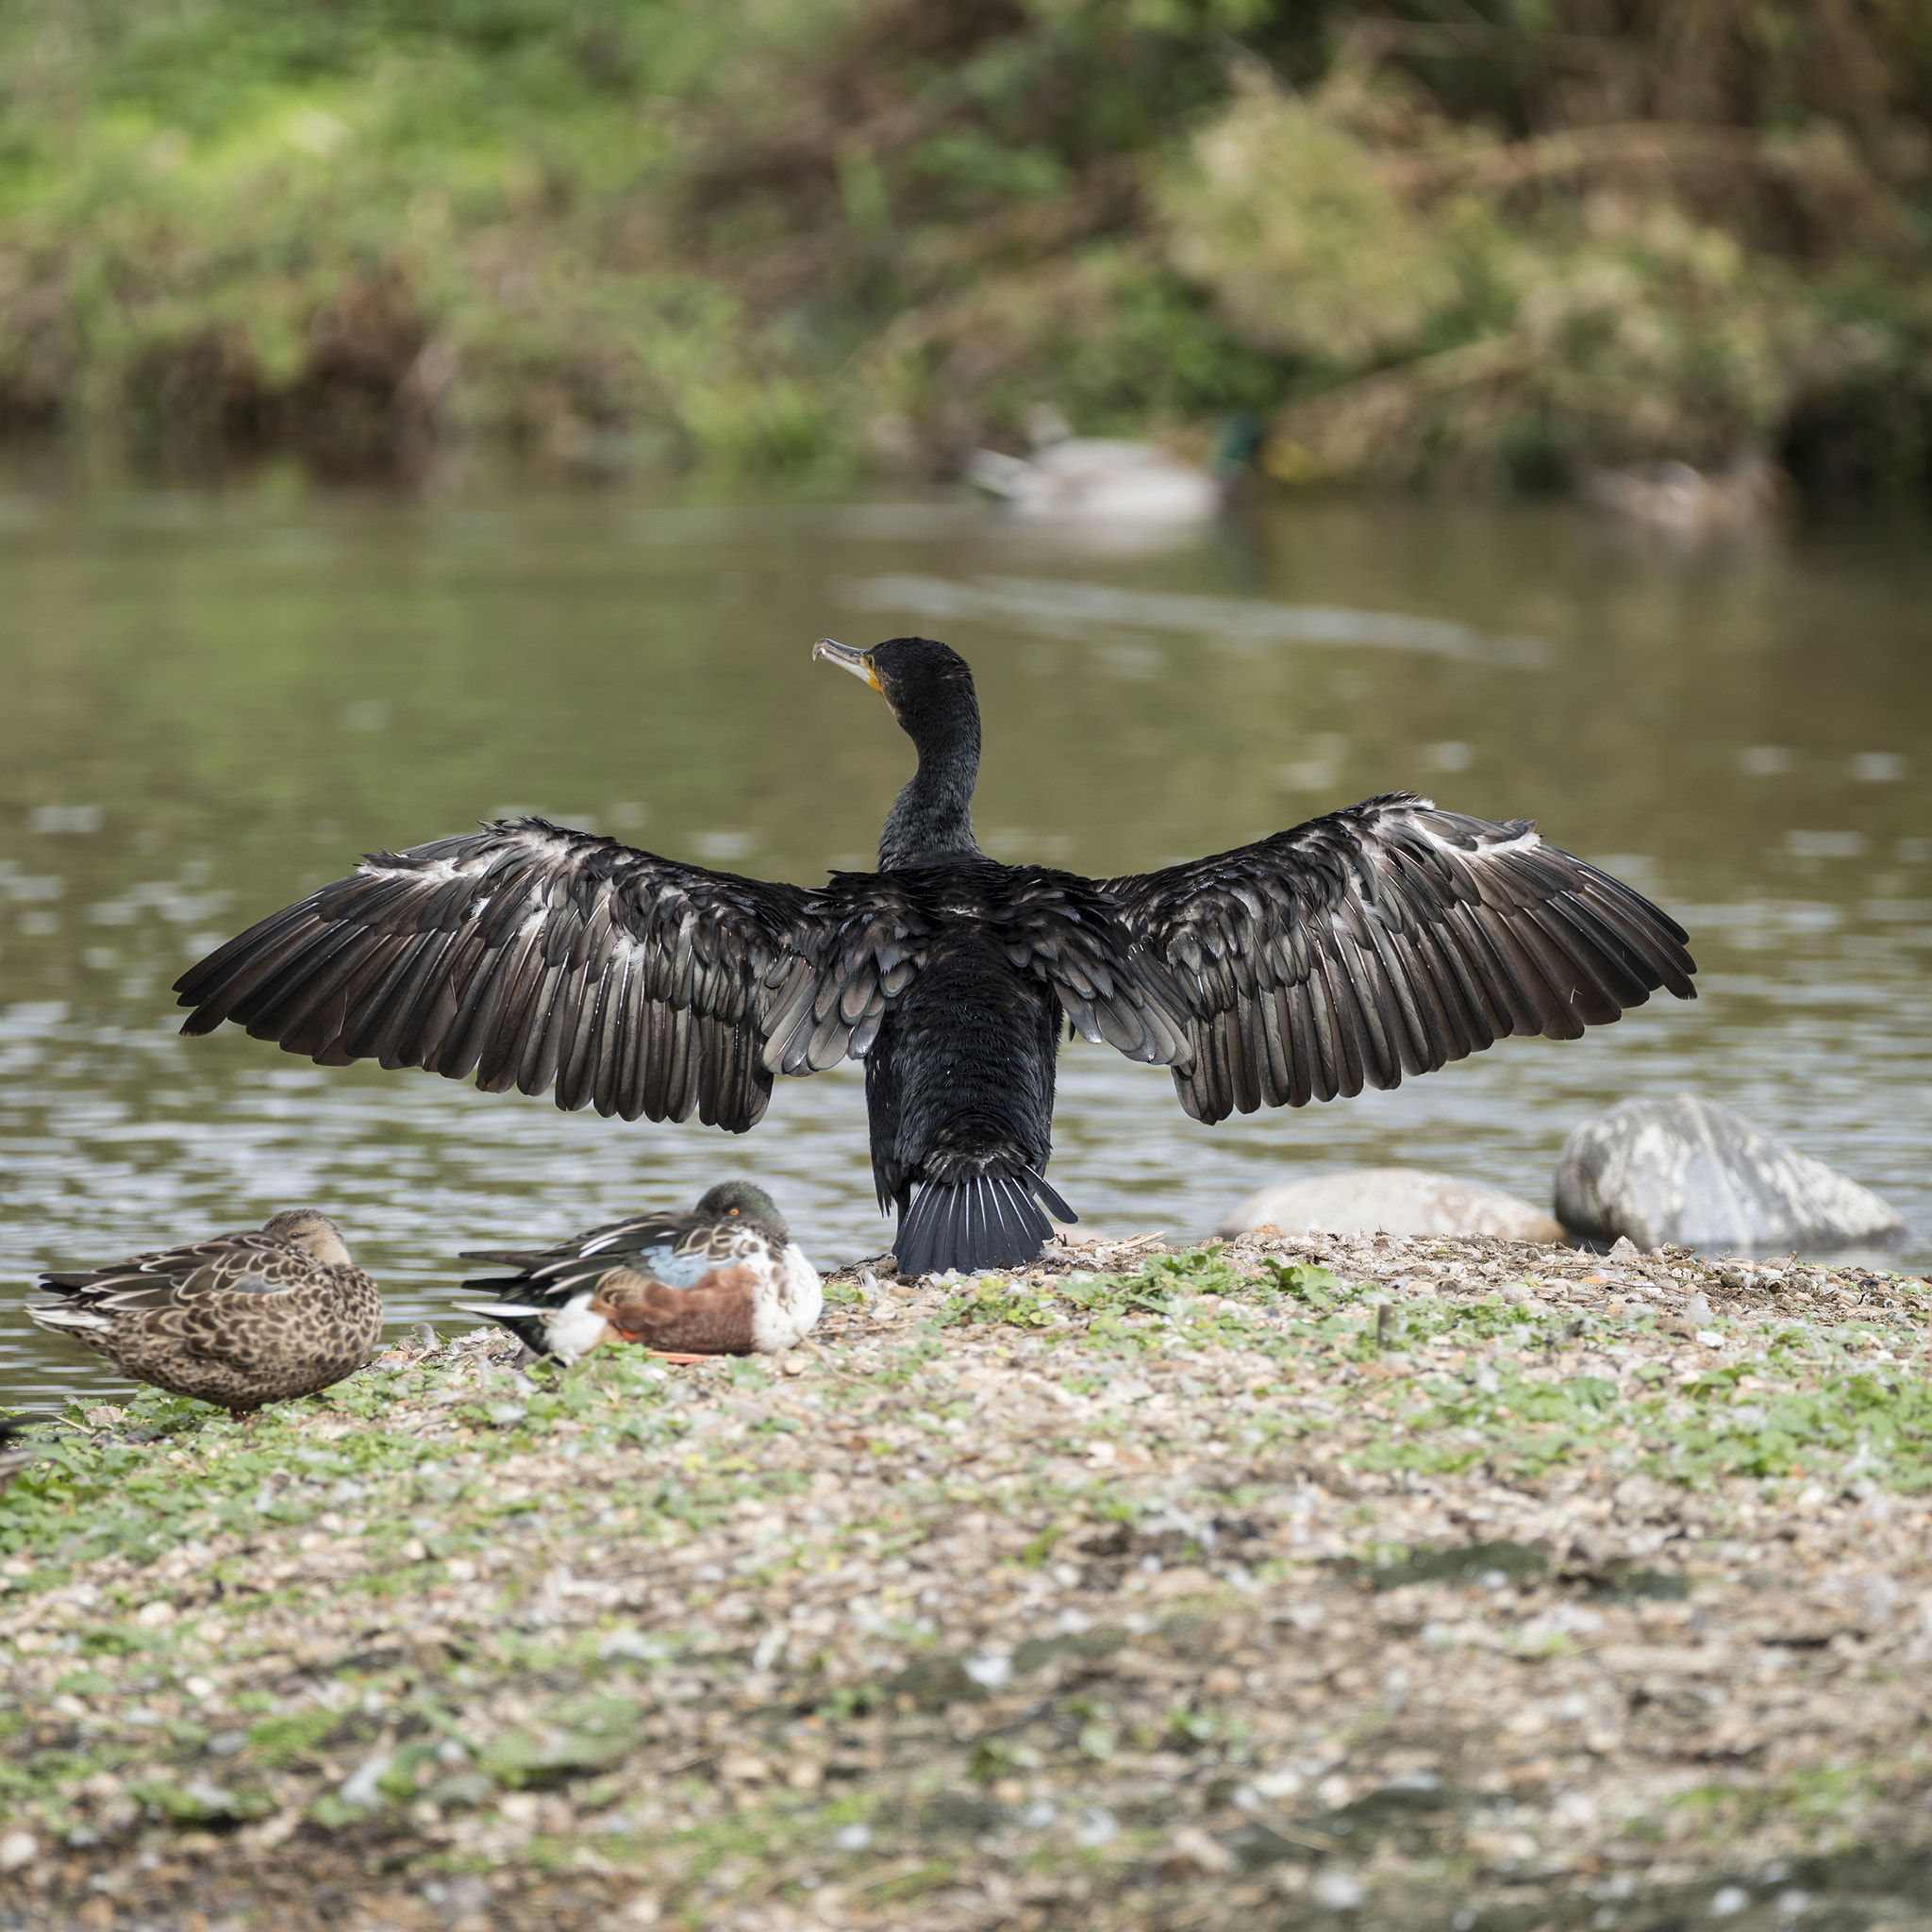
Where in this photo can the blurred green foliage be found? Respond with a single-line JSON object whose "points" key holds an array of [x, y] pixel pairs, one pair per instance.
{"points": [[1498, 241]]}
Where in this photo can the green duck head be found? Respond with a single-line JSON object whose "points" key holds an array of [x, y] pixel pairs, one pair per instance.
{"points": [[746, 1201]]}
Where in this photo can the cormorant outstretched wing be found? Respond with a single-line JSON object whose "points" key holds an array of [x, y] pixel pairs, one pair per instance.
{"points": [[526, 953], [1389, 939]]}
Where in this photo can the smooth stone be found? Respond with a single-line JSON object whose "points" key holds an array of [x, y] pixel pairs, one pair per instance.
{"points": [[1689, 1171], [1391, 1199]]}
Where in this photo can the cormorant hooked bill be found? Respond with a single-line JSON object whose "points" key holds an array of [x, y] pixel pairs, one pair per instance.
{"points": [[1386, 939]]}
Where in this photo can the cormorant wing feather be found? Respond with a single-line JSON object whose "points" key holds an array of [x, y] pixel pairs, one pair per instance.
{"points": [[1112, 985], [865, 939], [1388, 939], [872, 932], [528, 955]]}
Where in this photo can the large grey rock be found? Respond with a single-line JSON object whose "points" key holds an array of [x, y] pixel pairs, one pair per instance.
{"points": [[1689, 1171], [1391, 1199]]}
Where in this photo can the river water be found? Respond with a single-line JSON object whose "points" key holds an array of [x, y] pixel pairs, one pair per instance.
{"points": [[215, 701]]}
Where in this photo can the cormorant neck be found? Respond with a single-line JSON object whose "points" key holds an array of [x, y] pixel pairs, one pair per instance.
{"points": [[933, 816]]}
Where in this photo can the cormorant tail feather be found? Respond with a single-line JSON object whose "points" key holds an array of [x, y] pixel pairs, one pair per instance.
{"points": [[990, 1221], [1049, 1195]]}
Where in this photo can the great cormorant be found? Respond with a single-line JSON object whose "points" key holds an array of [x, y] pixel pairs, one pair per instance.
{"points": [[1386, 939]]}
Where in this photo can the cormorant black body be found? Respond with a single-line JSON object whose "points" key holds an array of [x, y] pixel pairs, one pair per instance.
{"points": [[958, 1083], [1385, 939]]}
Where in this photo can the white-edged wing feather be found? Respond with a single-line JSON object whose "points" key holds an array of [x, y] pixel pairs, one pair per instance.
{"points": [[1388, 939]]}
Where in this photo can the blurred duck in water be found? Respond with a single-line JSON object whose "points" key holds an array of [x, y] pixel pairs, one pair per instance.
{"points": [[241, 1320], [723, 1279], [1104, 480], [1746, 496]]}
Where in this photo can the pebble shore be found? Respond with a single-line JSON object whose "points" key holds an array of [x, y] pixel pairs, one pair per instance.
{"points": [[1416, 1584]]}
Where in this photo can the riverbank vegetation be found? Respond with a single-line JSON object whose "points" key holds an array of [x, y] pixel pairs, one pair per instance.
{"points": [[1465, 1584], [1495, 243]]}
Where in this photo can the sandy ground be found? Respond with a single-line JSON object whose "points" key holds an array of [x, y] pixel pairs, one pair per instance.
{"points": [[1361, 1583]]}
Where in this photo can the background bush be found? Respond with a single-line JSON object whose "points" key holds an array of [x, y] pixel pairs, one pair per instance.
{"points": [[1495, 240]]}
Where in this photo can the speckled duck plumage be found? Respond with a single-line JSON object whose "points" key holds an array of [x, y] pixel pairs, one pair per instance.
{"points": [[239, 1320], [725, 1279]]}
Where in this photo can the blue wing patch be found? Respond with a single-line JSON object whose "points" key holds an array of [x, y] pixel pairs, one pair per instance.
{"points": [[672, 1269]]}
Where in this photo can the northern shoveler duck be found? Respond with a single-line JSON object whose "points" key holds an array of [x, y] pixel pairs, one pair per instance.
{"points": [[725, 1279], [241, 1320]]}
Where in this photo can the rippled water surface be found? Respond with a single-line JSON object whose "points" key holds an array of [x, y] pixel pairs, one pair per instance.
{"points": [[213, 703]]}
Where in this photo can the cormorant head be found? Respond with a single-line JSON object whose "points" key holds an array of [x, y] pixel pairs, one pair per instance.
{"points": [[302, 1228], [926, 683], [747, 1202]]}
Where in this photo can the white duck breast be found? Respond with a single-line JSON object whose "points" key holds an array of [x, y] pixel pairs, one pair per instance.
{"points": [[785, 1316]]}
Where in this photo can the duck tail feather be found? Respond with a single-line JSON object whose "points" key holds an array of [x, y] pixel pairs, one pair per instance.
{"points": [[57, 1318], [502, 1287]]}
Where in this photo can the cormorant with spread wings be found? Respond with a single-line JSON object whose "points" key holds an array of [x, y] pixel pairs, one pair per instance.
{"points": [[1386, 939]]}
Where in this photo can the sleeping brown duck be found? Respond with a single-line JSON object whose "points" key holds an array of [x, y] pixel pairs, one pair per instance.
{"points": [[239, 1320]]}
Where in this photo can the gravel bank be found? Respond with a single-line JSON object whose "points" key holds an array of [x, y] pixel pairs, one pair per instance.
{"points": [[1413, 1584]]}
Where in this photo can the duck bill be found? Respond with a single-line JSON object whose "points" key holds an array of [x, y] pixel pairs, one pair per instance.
{"points": [[846, 659]]}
